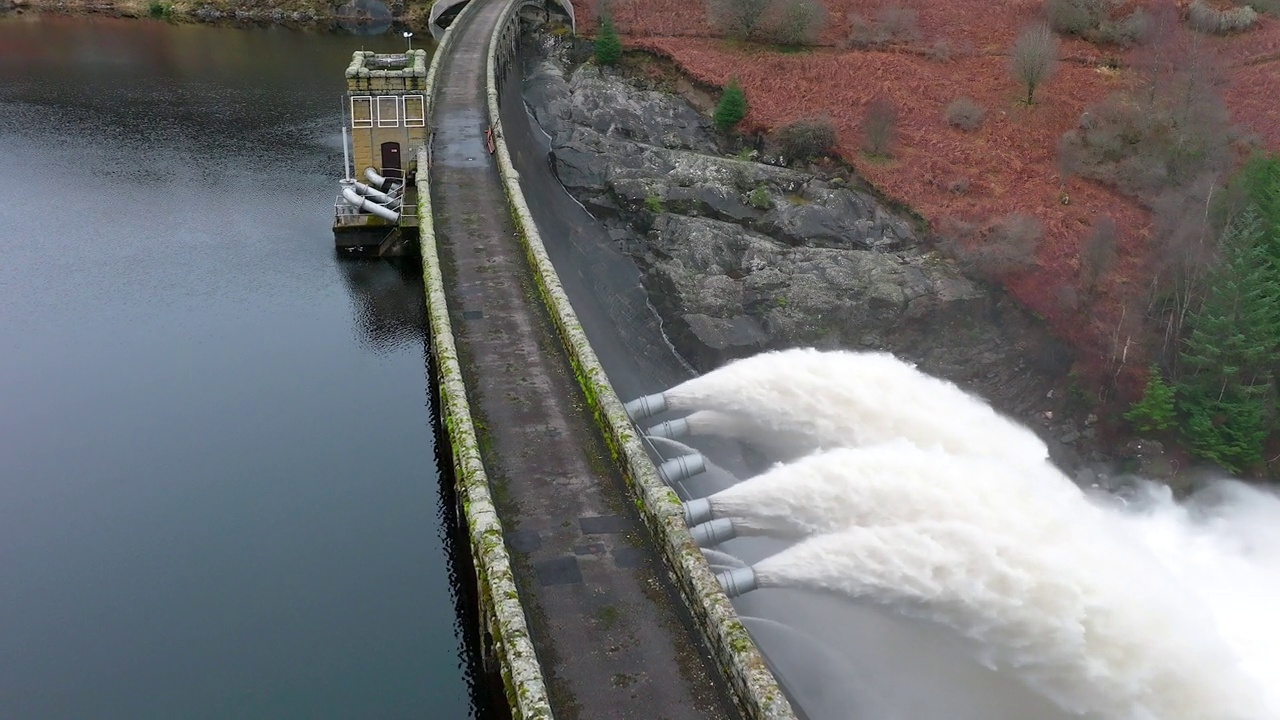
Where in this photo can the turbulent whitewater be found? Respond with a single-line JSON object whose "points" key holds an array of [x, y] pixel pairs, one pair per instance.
{"points": [[914, 500], [841, 399], [1080, 620]]}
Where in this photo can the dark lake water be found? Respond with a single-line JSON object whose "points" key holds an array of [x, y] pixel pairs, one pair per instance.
{"points": [[219, 491]]}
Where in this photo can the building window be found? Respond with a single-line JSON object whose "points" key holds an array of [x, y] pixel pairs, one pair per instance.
{"points": [[415, 114], [361, 112], [388, 111]]}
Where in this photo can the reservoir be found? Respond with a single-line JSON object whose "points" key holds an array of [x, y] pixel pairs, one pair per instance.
{"points": [[220, 490]]}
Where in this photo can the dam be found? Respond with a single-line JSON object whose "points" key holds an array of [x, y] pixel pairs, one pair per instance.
{"points": [[980, 566]]}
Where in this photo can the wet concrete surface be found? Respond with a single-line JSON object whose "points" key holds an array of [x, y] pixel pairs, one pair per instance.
{"points": [[602, 283], [611, 635]]}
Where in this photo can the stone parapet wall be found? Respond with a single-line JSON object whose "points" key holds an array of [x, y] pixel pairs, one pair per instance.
{"points": [[754, 688], [505, 629]]}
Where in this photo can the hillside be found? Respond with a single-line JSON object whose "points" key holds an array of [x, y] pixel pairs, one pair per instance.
{"points": [[1009, 165]]}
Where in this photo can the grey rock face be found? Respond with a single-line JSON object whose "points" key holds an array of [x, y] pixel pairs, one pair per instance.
{"points": [[741, 256], [613, 109]]}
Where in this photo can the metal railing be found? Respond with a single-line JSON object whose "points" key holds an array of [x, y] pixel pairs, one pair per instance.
{"points": [[344, 213]]}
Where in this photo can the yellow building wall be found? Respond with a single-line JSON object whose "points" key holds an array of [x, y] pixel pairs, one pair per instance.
{"points": [[366, 145]]}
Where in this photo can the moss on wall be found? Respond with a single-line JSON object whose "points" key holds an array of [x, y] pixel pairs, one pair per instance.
{"points": [[502, 612], [755, 689]]}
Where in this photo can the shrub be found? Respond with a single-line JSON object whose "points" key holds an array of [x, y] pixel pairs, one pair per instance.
{"points": [[1155, 411], [879, 127], [1207, 19], [760, 198], [1090, 19], [1266, 7], [653, 204], [159, 9], [1075, 17], [737, 19], [940, 50], [1033, 59], [608, 44], [1145, 144], [892, 23], [732, 107], [902, 23], [1134, 28], [797, 22], [1009, 246], [965, 114], [805, 139]]}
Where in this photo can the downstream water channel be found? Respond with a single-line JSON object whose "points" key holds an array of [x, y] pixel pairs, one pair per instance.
{"points": [[220, 494]]}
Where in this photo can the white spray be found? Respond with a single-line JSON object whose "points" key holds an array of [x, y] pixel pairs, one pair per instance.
{"points": [[1223, 546], [1080, 616], [843, 399]]}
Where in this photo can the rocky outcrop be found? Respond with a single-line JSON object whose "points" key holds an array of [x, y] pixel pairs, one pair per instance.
{"points": [[742, 256]]}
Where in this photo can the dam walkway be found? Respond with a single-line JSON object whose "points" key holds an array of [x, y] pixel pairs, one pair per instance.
{"points": [[609, 630]]}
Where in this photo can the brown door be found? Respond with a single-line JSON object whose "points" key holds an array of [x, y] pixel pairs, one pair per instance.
{"points": [[391, 161]]}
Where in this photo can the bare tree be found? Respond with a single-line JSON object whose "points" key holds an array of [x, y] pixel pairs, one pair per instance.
{"points": [[1186, 249], [965, 114], [1034, 58], [1212, 20], [1098, 254], [879, 127], [805, 139], [796, 23], [1009, 246], [1168, 129], [891, 24], [737, 19]]}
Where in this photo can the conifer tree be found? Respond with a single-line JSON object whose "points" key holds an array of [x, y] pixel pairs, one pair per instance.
{"points": [[732, 107], [1155, 411], [608, 44], [1228, 387]]}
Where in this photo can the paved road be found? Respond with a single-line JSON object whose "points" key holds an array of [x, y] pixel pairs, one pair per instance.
{"points": [[606, 623]]}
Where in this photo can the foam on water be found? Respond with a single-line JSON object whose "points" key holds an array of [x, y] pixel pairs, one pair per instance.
{"points": [[841, 399]]}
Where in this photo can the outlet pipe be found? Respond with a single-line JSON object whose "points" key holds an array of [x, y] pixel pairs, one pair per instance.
{"points": [[714, 532], [646, 406], [681, 467], [364, 204], [697, 511], [379, 181], [738, 581], [376, 195], [670, 429]]}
